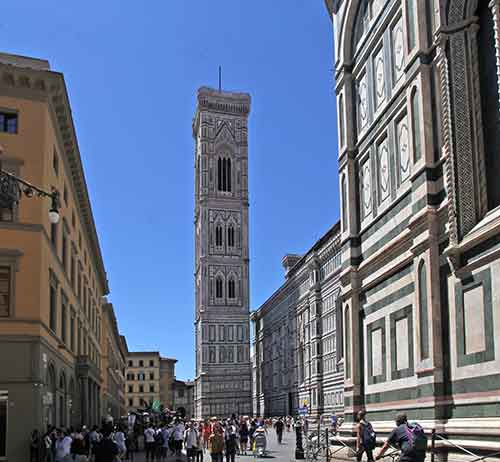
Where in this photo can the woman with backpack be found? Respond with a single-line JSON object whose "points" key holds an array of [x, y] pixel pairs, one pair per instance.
{"points": [[366, 438]]}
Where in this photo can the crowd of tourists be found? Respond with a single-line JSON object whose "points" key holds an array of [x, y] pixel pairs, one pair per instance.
{"points": [[220, 438], [105, 444]]}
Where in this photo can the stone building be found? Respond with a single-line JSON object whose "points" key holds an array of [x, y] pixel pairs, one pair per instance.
{"points": [[223, 373], [167, 377], [142, 379], [149, 378], [52, 277], [114, 355], [418, 112], [297, 345], [183, 396]]}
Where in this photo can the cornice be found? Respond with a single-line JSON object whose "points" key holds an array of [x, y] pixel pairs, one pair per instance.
{"points": [[223, 102], [51, 86]]}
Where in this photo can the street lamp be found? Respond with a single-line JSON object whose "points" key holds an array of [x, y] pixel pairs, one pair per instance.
{"points": [[13, 187]]}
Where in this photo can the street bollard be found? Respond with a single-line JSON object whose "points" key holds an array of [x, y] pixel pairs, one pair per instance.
{"points": [[299, 449], [327, 446], [433, 444], [319, 431]]}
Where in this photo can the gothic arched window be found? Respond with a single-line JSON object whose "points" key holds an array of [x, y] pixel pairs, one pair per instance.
{"points": [[490, 107], [230, 236], [224, 174], [231, 288], [218, 287], [218, 236]]}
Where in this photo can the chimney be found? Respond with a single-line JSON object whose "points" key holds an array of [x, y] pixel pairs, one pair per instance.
{"points": [[289, 261]]}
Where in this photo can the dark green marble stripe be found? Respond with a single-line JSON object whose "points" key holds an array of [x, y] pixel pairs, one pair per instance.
{"points": [[389, 281], [390, 299]]}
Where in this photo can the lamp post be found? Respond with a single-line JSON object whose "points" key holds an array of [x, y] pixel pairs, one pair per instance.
{"points": [[12, 188]]}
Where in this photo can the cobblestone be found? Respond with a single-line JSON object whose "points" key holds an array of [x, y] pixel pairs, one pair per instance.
{"points": [[284, 452]]}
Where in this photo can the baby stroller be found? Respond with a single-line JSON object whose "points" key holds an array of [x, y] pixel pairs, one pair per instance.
{"points": [[260, 443]]}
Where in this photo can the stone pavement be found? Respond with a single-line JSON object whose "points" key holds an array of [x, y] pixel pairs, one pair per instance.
{"points": [[276, 452]]}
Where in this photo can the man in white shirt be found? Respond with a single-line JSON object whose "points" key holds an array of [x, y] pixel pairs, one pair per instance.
{"points": [[63, 447], [149, 442], [178, 436], [191, 442]]}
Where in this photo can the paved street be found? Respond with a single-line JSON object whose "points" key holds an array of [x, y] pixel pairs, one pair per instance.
{"points": [[278, 453]]}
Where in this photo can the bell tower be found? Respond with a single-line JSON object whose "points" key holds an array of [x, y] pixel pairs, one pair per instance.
{"points": [[222, 331]]}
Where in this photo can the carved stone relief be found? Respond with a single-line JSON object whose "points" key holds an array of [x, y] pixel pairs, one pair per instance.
{"points": [[366, 189], [383, 172], [398, 53], [362, 101], [378, 65], [403, 149]]}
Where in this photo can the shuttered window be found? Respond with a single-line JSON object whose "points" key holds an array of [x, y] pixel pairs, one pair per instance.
{"points": [[4, 291]]}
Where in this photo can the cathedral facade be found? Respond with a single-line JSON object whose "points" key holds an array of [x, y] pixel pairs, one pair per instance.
{"points": [[222, 331], [419, 130], [298, 359]]}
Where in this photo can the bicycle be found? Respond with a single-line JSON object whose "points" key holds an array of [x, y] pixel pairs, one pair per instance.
{"points": [[395, 455], [314, 450]]}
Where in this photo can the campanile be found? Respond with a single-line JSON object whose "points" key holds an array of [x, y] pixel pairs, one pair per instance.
{"points": [[223, 373]]}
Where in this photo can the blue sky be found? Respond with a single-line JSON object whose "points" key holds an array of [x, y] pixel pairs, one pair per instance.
{"points": [[132, 71]]}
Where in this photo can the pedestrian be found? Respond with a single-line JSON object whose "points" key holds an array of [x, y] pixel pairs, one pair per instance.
{"points": [[106, 450], [279, 426], [119, 438], [216, 443], [207, 431], [251, 433], [365, 437], [63, 446], [94, 438], [165, 434], [334, 423], [47, 446], [35, 446], [191, 442], [130, 444], [201, 449], [243, 437], [149, 441], [230, 442], [410, 439], [79, 449], [178, 436]]}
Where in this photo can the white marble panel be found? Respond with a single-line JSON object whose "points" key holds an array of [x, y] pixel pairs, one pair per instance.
{"points": [[362, 101], [379, 75], [402, 346], [475, 340], [403, 149], [383, 172], [366, 188], [398, 51], [377, 352]]}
